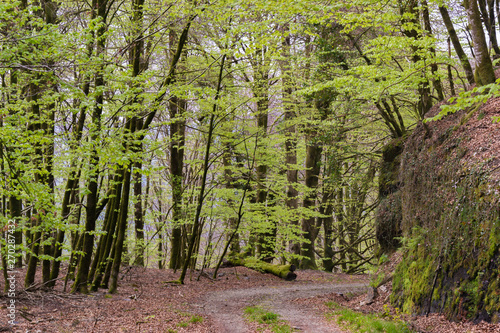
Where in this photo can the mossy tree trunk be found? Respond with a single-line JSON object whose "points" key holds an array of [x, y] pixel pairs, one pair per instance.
{"points": [[484, 73], [286, 272]]}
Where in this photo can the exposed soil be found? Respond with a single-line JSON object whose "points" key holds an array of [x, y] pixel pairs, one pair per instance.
{"points": [[145, 303]]}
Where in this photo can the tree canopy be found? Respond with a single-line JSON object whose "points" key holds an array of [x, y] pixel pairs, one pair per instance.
{"points": [[174, 133]]}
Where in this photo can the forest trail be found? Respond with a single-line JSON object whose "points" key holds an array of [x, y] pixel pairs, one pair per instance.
{"points": [[227, 307], [146, 303]]}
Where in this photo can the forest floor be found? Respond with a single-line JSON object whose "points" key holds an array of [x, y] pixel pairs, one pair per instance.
{"points": [[146, 303]]}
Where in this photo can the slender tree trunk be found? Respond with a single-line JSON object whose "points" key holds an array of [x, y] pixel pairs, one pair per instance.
{"points": [[450, 75], [233, 235], [121, 229], [266, 239], [201, 196], [99, 9], [464, 60], [177, 137], [292, 200], [409, 14], [492, 31], [436, 80], [36, 222], [310, 230], [138, 215], [327, 210]]}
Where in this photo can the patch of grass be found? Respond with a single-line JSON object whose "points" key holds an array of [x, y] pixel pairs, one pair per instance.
{"points": [[192, 320], [365, 323], [196, 319], [332, 305], [267, 318]]}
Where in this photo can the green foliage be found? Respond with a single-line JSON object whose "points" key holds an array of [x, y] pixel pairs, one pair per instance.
{"points": [[71, 96], [196, 319], [467, 100]]}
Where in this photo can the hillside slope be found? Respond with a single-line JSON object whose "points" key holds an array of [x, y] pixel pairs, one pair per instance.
{"points": [[449, 194]]}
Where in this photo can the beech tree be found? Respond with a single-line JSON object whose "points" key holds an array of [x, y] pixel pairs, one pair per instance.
{"points": [[152, 133]]}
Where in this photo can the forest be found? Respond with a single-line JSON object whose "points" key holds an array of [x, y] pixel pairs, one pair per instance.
{"points": [[178, 134]]}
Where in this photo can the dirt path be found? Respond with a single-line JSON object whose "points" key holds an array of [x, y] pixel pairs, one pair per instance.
{"points": [[226, 307]]}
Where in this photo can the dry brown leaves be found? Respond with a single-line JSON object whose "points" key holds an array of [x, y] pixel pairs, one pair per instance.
{"points": [[144, 303]]}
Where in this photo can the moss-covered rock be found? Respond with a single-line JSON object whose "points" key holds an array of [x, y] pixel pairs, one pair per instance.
{"points": [[390, 166], [388, 218], [388, 222], [450, 218]]}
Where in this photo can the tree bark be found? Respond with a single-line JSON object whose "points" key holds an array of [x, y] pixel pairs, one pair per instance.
{"points": [[121, 228], [201, 196], [310, 229], [286, 272], [265, 238], [484, 73], [177, 142], [292, 194], [436, 80], [456, 45], [99, 9], [410, 19]]}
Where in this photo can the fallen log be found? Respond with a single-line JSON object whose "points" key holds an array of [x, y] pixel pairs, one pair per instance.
{"points": [[286, 272]]}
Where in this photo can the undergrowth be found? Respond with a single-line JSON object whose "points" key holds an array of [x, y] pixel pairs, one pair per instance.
{"points": [[269, 319], [367, 323]]}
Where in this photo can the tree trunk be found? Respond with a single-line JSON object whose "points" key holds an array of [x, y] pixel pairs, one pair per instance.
{"points": [[450, 75], [138, 215], [177, 141], [456, 45], [436, 80], [266, 237], [80, 284], [310, 230], [492, 27], [121, 227], [412, 26], [286, 272], [484, 73], [36, 222], [201, 196], [292, 200]]}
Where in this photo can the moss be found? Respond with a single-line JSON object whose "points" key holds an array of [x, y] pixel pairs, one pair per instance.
{"points": [[449, 217], [494, 240], [283, 271]]}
